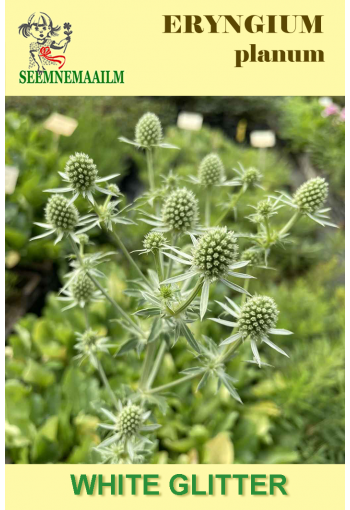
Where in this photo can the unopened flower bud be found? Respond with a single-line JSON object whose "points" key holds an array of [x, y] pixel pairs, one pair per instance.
{"points": [[154, 241], [251, 176], [255, 256], [264, 208], [83, 238], [113, 188], [166, 291], [88, 340]]}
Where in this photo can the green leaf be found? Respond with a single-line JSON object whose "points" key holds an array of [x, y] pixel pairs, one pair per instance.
{"points": [[128, 346], [17, 403], [44, 336], [189, 337], [204, 298], [156, 330], [15, 238], [219, 450], [36, 373], [227, 381], [46, 447], [79, 389], [147, 312]]}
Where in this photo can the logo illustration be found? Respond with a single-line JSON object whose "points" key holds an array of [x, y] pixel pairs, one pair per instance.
{"points": [[41, 28]]}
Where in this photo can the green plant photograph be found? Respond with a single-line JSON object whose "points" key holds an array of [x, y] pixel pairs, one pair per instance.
{"points": [[174, 280]]}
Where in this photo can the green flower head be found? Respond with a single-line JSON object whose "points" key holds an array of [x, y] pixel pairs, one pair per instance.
{"points": [[180, 210], [129, 421], [265, 208], [60, 214], [255, 256], [211, 170], [81, 172], [251, 176], [148, 130], [311, 195], [154, 241], [258, 315], [82, 288], [215, 252]]}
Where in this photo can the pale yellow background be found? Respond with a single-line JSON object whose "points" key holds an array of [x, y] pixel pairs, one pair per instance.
{"points": [[49, 487], [129, 36]]}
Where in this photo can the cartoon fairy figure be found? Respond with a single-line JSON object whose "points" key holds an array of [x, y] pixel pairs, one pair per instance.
{"points": [[40, 27]]}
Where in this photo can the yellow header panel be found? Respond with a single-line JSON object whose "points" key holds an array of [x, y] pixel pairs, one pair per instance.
{"points": [[176, 48]]}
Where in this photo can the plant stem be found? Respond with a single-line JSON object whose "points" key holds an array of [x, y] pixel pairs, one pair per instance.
{"points": [[120, 243], [290, 223], [170, 263], [157, 389], [107, 296], [246, 287], [190, 298], [115, 304], [207, 208], [151, 348], [231, 205], [147, 363], [267, 226], [158, 259], [149, 157], [231, 349], [157, 364], [86, 316], [106, 383], [128, 256]]}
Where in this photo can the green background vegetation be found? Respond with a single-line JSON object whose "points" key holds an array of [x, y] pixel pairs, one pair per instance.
{"points": [[293, 413]]}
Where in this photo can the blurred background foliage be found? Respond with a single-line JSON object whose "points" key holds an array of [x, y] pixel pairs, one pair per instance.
{"points": [[293, 413]]}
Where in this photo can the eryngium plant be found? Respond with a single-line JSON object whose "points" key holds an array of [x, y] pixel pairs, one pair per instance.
{"points": [[175, 291]]}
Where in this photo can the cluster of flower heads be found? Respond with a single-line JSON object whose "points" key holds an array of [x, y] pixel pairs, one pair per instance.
{"points": [[214, 256]]}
